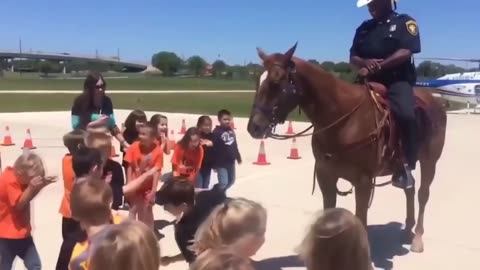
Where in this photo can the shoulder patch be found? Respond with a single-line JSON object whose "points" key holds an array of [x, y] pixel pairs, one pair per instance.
{"points": [[412, 27]]}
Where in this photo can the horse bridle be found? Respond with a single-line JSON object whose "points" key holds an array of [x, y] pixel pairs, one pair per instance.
{"points": [[293, 91]]}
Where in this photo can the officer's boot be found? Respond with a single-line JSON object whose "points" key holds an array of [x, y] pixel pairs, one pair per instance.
{"points": [[404, 179]]}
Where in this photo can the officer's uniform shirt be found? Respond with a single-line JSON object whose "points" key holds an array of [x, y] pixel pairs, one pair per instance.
{"points": [[380, 39]]}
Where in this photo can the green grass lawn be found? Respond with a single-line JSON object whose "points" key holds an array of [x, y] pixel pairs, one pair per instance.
{"points": [[134, 83], [207, 103], [200, 103]]}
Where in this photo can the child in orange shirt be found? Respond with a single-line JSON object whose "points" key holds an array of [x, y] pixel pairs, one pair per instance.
{"points": [[188, 155], [161, 122], [18, 186], [135, 120], [142, 156]]}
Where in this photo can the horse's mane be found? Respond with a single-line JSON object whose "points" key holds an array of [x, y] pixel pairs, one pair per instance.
{"points": [[326, 75]]}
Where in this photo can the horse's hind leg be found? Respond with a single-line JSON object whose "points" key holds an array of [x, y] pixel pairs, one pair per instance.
{"points": [[427, 174]]}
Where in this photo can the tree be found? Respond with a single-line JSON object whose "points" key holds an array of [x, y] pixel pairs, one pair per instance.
{"points": [[46, 67], [342, 67], [238, 72], [328, 65], [168, 62], [313, 61], [255, 70], [218, 67], [196, 65]]}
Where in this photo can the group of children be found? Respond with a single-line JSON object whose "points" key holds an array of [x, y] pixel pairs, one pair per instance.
{"points": [[212, 231], [196, 154]]}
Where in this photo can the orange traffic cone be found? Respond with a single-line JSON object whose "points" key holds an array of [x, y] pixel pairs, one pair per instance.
{"points": [[113, 153], [171, 140], [183, 129], [290, 128], [232, 124], [294, 150], [262, 156], [28, 143], [7, 138]]}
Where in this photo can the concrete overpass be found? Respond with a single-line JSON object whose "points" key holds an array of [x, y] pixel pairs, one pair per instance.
{"points": [[65, 57]]}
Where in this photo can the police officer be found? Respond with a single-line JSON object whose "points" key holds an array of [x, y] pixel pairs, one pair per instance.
{"points": [[382, 51]]}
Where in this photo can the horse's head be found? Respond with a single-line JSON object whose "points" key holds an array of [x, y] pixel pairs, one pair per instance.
{"points": [[276, 95]]}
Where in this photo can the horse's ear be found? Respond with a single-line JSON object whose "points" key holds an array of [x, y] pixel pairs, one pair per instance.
{"points": [[261, 53], [291, 51]]}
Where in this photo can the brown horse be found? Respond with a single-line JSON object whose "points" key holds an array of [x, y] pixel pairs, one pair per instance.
{"points": [[353, 137]]}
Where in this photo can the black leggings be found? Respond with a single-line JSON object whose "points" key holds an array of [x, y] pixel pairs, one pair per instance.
{"points": [[71, 233]]}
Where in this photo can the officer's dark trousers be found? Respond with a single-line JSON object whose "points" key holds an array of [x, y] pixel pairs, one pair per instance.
{"points": [[402, 102]]}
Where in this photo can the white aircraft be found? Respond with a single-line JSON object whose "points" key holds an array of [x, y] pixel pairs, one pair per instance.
{"points": [[457, 87]]}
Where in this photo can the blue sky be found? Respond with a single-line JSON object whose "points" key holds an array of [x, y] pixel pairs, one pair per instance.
{"points": [[231, 29]]}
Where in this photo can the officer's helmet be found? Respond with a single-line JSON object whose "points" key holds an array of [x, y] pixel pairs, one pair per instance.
{"points": [[362, 3]]}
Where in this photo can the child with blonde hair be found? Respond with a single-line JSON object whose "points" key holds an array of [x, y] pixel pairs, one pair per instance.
{"points": [[18, 186], [112, 170], [126, 246], [336, 240], [90, 203], [221, 259], [238, 223]]}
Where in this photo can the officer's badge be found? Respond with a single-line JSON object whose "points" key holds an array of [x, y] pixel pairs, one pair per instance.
{"points": [[412, 27]]}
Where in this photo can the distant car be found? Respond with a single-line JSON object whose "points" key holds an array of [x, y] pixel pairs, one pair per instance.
{"points": [[65, 53]]}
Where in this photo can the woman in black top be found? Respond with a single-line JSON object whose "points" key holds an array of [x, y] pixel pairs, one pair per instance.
{"points": [[92, 104]]}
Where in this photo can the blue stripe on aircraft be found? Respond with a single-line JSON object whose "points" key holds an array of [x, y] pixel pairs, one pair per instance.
{"points": [[455, 94], [440, 83]]}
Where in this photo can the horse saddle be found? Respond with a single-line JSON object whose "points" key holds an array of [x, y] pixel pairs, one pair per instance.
{"points": [[388, 132]]}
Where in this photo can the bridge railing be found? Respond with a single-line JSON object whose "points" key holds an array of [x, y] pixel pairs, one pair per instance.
{"points": [[76, 55]]}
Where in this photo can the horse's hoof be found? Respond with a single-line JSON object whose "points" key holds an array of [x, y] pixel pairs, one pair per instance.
{"points": [[417, 245]]}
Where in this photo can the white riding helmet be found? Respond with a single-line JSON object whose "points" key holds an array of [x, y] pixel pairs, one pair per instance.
{"points": [[362, 3]]}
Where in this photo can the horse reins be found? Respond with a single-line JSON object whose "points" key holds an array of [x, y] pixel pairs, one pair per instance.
{"points": [[323, 129]]}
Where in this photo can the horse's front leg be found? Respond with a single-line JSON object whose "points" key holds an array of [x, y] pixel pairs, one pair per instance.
{"points": [[363, 191], [328, 185]]}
